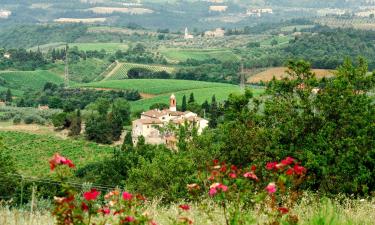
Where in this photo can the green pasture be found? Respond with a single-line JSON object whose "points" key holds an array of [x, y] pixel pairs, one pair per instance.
{"points": [[155, 86], [34, 80]]}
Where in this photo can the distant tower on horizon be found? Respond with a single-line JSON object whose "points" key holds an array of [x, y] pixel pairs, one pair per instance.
{"points": [[187, 35], [172, 103]]}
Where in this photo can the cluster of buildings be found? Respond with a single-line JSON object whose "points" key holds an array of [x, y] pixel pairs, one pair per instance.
{"points": [[259, 12], [4, 14], [152, 122], [218, 32]]}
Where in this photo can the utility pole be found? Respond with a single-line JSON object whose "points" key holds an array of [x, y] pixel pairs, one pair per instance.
{"points": [[66, 75], [242, 79]]}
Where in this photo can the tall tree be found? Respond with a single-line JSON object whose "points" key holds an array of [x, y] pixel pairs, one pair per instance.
{"points": [[184, 105], [75, 127], [213, 112], [191, 98], [8, 96]]}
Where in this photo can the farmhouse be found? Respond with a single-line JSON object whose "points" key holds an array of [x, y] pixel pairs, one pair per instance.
{"points": [[259, 12], [218, 8], [150, 124], [215, 33], [4, 14]]}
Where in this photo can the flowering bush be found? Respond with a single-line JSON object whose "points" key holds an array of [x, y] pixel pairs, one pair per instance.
{"points": [[93, 208], [246, 187]]}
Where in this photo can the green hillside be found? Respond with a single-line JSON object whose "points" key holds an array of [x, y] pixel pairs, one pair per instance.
{"points": [[177, 54], [24, 80], [156, 86], [33, 151], [121, 71]]}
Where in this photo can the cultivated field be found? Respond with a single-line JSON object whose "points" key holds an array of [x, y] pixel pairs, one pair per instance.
{"points": [[33, 151], [121, 71], [156, 86], [179, 54], [279, 73], [35, 80], [363, 23], [108, 47]]}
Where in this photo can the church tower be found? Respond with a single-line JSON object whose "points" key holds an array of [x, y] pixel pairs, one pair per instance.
{"points": [[172, 103]]}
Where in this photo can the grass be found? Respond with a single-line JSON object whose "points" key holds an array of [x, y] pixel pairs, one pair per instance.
{"points": [[122, 71], [200, 95], [35, 80], [178, 55], [310, 211], [155, 86], [31, 152]]}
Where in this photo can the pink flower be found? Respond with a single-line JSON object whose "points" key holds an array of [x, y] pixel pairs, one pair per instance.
{"points": [[127, 196], [299, 170], [212, 192], [251, 175], [287, 161], [223, 187], [271, 188], [232, 175], [91, 195], [184, 207], [57, 159], [152, 222], [271, 165], [84, 207], [283, 210]]}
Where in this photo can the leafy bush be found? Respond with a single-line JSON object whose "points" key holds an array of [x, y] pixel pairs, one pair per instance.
{"points": [[17, 119]]}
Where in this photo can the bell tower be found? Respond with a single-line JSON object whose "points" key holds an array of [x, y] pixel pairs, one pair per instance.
{"points": [[172, 103]]}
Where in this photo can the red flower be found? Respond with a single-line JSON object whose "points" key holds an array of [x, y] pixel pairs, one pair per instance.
{"points": [[271, 188], [233, 168], [105, 211], [232, 175], [287, 161], [271, 165], [216, 161], [127, 196], [283, 210], [223, 169], [57, 159], [91, 195], [214, 188], [84, 207], [251, 175], [253, 168], [290, 172], [184, 207], [299, 170], [129, 219]]}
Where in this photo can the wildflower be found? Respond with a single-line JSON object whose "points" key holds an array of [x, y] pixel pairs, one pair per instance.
{"points": [[271, 165], [105, 211], [57, 159], [118, 212], [283, 210], [127, 196], [152, 222], [216, 161], [233, 168], [84, 207], [253, 168], [112, 193], [271, 188], [233, 175], [128, 219], [290, 172], [193, 187], [91, 195], [223, 169], [212, 192], [299, 170], [251, 175], [184, 207], [287, 161]]}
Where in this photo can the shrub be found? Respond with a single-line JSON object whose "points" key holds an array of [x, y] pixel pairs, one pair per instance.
{"points": [[17, 119]]}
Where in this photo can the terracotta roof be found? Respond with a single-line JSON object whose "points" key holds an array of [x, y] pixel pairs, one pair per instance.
{"points": [[148, 121], [155, 113]]}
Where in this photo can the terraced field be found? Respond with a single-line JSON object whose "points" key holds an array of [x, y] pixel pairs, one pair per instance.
{"points": [[24, 80], [33, 151], [178, 55], [121, 71]]}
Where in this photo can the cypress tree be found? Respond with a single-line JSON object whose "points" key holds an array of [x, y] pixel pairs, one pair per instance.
{"points": [[128, 141], [214, 112], [75, 127], [184, 105], [8, 96], [191, 98]]}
